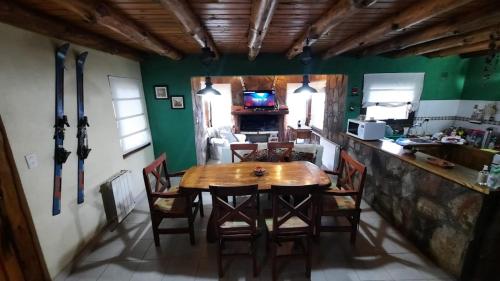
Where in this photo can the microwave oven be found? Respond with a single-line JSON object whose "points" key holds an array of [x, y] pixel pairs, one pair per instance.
{"points": [[366, 130]]}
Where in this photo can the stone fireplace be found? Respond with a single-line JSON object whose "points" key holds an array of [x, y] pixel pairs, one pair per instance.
{"points": [[259, 124]]}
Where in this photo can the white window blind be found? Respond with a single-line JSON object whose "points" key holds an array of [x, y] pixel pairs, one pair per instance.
{"points": [[392, 95], [130, 113]]}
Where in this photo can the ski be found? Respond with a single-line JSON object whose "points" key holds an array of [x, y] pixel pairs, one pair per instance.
{"points": [[61, 120], [83, 148]]}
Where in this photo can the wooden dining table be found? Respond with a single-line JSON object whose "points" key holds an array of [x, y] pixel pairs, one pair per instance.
{"points": [[296, 173]]}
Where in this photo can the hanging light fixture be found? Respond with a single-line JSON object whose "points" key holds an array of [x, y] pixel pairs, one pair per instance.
{"points": [[305, 58], [208, 88], [207, 57], [305, 88]]}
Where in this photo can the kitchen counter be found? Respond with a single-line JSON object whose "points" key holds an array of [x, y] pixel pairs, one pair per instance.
{"points": [[450, 218], [458, 174]]}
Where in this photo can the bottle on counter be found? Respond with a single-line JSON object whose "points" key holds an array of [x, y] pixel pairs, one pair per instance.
{"points": [[298, 124], [482, 176], [493, 180]]}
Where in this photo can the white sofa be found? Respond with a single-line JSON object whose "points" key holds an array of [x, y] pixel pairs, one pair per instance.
{"points": [[222, 137], [298, 147]]}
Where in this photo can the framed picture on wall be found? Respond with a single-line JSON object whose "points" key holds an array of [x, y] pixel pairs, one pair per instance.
{"points": [[177, 102], [161, 92]]}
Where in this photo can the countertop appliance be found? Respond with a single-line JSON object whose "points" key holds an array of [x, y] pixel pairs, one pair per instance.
{"points": [[366, 130]]}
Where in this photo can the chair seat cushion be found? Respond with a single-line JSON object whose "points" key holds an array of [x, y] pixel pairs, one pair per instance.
{"points": [[336, 203], [171, 205], [293, 222], [235, 224]]}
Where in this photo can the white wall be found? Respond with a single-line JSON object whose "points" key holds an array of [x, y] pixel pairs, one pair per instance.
{"points": [[27, 108], [448, 110]]}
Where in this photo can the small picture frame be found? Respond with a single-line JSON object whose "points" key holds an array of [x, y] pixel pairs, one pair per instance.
{"points": [[177, 102], [161, 92]]}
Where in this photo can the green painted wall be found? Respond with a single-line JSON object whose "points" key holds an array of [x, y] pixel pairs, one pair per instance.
{"points": [[476, 86], [173, 130]]}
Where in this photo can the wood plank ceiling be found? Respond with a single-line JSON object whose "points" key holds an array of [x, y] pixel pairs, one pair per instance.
{"points": [[174, 28]]}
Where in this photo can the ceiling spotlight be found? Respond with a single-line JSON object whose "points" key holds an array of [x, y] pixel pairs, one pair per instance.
{"points": [[305, 88], [208, 90]]}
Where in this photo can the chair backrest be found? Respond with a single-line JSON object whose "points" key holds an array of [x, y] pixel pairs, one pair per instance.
{"points": [[293, 209], [240, 219], [238, 148], [352, 176], [156, 177], [279, 151]]}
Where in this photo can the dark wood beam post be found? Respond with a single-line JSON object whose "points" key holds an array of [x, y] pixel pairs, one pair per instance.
{"points": [[262, 14], [460, 24], [191, 23], [451, 42], [340, 11], [99, 13], [481, 46], [14, 14], [416, 13]]}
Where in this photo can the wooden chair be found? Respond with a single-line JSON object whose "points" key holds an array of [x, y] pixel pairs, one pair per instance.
{"points": [[279, 151], [237, 148], [344, 200], [166, 201], [237, 223], [292, 220]]}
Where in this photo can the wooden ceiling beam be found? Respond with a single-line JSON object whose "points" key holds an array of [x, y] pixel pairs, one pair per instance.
{"points": [[17, 15], [460, 24], [451, 42], [262, 14], [191, 23], [477, 47], [338, 12], [99, 13], [414, 14]]}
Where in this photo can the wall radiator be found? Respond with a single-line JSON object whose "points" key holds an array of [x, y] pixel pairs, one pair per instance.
{"points": [[118, 197], [331, 154]]}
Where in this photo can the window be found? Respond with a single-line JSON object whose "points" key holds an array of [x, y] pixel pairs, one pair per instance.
{"points": [[391, 95], [130, 113], [220, 106], [318, 105], [298, 104]]}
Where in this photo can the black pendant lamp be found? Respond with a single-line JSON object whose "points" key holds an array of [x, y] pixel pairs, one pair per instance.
{"points": [[305, 88], [305, 59], [208, 88], [207, 56]]}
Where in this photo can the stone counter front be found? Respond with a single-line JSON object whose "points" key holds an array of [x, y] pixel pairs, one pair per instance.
{"points": [[442, 217]]}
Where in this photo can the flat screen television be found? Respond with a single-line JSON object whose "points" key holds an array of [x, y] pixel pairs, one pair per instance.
{"points": [[265, 99]]}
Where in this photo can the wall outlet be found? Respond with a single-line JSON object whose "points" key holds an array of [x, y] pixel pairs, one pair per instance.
{"points": [[31, 160]]}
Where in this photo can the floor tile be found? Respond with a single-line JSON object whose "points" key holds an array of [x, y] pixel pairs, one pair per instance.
{"points": [[127, 252], [119, 271]]}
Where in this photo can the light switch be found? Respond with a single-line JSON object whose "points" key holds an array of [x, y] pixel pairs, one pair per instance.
{"points": [[31, 160]]}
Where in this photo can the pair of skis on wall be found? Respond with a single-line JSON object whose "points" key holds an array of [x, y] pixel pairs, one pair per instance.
{"points": [[61, 121]]}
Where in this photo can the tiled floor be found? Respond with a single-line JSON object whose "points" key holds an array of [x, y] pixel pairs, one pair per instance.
{"points": [[128, 253]]}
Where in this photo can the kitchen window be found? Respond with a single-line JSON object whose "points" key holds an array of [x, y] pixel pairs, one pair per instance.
{"points": [[392, 95], [130, 114]]}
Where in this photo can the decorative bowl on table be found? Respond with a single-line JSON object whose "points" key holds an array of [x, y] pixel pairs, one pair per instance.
{"points": [[259, 171]]}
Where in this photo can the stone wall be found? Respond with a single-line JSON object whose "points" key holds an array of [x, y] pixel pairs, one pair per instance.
{"points": [[438, 215]]}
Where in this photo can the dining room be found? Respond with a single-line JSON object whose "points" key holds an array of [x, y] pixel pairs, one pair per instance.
{"points": [[346, 140]]}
